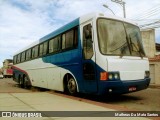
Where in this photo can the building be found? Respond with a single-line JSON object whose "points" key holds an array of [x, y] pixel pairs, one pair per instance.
{"points": [[155, 69], [152, 51], [155, 66], [7, 68], [148, 38], [1, 72], [6, 63]]}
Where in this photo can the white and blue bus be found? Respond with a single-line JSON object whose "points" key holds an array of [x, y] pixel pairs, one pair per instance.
{"points": [[94, 54]]}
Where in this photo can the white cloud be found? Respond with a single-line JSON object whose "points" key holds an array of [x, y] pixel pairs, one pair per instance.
{"points": [[18, 28]]}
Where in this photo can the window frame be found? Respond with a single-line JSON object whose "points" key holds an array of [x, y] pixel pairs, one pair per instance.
{"points": [[45, 48], [88, 47], [51, 44], [23, 56], [29, 54], [40, 49], [123, 22], [74, 39]]}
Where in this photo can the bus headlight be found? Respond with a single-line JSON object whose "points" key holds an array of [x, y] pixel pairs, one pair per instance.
{"points": [[110, 76], [116, 76], [113, 76]]}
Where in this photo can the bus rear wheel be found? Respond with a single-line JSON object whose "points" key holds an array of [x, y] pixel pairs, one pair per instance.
{"points": [[21, 82], [71, 86], [26, 81]]}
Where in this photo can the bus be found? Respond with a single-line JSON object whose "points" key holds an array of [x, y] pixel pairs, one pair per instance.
{"points": [[94, 54], [8, 72], [7, 68]]}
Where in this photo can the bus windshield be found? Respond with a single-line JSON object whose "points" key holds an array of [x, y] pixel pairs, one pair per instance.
{"points": [[119, 38]]}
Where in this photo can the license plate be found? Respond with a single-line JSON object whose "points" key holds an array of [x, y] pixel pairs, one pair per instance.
{"points": [[132, 89]]}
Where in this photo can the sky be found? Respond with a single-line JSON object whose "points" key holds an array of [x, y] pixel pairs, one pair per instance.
{"points": [[24, 21]]}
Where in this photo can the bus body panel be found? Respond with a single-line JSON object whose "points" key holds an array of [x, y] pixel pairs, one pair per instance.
{"points": [[49, 71], [130, 68], [90, 84], [7, 72], [122, 87], [131, 72]]}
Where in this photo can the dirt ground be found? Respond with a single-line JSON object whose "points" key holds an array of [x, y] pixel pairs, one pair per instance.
{"points": [[145, 100]]}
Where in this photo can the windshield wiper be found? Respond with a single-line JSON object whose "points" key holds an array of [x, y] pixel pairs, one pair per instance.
{"points": [[124, 48], [132, 44]]}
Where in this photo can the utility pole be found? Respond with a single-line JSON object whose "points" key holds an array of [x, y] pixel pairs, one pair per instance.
{"points": [[122, 3]]}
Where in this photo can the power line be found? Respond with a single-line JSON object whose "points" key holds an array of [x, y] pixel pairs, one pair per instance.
{"points": [[155, 24], [150, 15], [149, 18], [151, 11], [151, 27], [144, 19]]}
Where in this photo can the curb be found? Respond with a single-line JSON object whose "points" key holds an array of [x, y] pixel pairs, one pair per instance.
{"points": [[154, 86]]}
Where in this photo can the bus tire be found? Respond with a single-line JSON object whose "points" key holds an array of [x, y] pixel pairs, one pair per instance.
{"points": [[21, 84], [71, 86], [26, 81]]}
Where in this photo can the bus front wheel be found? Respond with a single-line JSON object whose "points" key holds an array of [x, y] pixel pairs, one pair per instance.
{"points": [[71, 86]]}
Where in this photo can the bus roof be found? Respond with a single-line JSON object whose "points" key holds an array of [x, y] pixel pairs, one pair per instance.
{"points": [[78, 21], [72, 24]]}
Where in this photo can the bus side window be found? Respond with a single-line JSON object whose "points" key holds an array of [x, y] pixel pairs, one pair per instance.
{"points": [[33, 52], [19, 58], [56, 44], [51, 46], [15, 59], [41, 50], [70, 39], [63, 41], [87, 42], [45, 48], [36, 51], [28, 54], [23, 57]]}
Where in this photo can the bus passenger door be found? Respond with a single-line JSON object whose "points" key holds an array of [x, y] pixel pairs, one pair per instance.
{"points": [[88, 61]]}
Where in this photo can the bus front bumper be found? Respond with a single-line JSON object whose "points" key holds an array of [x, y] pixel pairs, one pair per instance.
{"points": [[122, 87]]}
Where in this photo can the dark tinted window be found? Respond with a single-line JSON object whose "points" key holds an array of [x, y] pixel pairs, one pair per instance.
{"points": [[35, 52], [45, 48], [15, 59], [19, 58], [28, 54], [70, 39], [41, 50], [87, 42], [54, 44], [23, 56]]}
